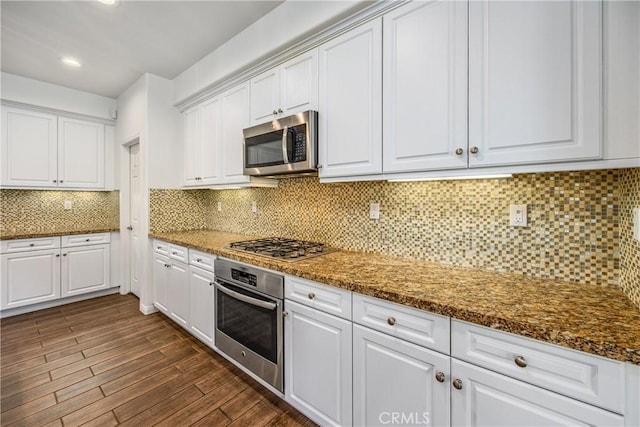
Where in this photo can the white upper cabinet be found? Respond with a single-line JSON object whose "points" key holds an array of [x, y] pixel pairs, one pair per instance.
{"points": [[29, 148], [81, 154], [201, 143], [350, 103], [191, 145], [46, 151], [234, 118], [287, 89], [425, 86], [535, 82]]}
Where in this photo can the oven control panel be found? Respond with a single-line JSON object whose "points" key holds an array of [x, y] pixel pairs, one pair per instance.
{"points": [[244, 277]]}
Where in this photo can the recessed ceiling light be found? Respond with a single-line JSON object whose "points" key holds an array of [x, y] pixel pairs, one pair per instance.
{"points": [[114, 3], [71, 62]]}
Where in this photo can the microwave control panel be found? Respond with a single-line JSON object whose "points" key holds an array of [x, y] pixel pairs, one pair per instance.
{"points": [[300, 148]]}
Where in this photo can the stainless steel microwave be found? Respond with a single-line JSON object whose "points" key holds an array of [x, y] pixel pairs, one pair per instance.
{"points": [[282, 146]]}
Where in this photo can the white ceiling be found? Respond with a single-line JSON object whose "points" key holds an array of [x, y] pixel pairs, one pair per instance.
{"points": [[116, 45]]}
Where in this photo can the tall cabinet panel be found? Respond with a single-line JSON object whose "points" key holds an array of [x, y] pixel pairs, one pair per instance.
{"points": [[191, 145], [350, 102], [534, 81], [29, 148], [210, 138], [235, 117], [425, 86], [81, 154]]}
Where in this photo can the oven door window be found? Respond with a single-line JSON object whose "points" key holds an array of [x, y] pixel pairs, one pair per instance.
{"points": [[264, 150], [252, 326]]}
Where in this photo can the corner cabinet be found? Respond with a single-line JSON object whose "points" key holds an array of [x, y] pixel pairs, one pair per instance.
{"points": [[535, 82], [42, 150], [350, 103]]}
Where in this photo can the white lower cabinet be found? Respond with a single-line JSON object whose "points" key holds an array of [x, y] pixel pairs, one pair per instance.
{"points": [[85, 269], [160, 278], [484, 398], [30, 277], [201, 292], [396, 382], [171, 288], [318, 364]]}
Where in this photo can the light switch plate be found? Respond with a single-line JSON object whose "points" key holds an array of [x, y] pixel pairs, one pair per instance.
{"points": [[219, 206], [254, 207], [636, 223], [68, 205], [518, 215], [374, 211]]}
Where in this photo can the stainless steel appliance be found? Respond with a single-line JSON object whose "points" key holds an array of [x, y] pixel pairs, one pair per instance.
{"points": [[284, 249], [282, 146], [249, 326]]}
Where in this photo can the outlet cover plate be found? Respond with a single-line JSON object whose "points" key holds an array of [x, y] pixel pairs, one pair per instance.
{"points": [[518, 215]]}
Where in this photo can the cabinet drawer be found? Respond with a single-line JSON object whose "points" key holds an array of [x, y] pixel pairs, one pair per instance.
{"points": [[201, 259], [325, 298], [21, 245], [179, 253], [85, 239], [589, 378], [161, 247], [417, 326]]}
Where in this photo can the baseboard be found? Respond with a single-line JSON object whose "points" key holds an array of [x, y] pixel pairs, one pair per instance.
{"points": [[62, 301], [147, 309]]}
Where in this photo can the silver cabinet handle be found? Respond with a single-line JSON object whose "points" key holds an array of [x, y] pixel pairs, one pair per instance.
{"points": [[240, 297], [311, 295], [285, 313], [520, 361], [457, 383], [474, 150], [274, 112], [459, 151], [440, 376], [167, 265], [174, 253], [391, 321], [280, 110]]}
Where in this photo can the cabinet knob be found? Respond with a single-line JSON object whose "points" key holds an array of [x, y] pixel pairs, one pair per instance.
{"points": [[319, 166], [64, 254], [55, 180], [57, 255], [32, 244], [440, 376], [167, 265], [457, 383], [280, 110], [285, 313], [311, 295], [210, 283], [198, 259], [87, 240], [61, 181], [520, 361], [159, 247], [131, 228], [459, 151], [474, 150], [174, 253], [274, 112], [391, 321]]}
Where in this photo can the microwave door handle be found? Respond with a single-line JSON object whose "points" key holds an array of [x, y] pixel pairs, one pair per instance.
{"points": [[285, 156], [253, 301]]}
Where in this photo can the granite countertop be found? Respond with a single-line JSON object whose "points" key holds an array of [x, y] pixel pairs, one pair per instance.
{"points": [[49, 233], [595, 319]]}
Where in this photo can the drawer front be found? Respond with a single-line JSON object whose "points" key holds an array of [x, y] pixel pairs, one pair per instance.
{"points": [[325, 298], [85, 239], [417, 326], [161, 247], [589, 378], [201, 259], [21, 245], [179, 253]]}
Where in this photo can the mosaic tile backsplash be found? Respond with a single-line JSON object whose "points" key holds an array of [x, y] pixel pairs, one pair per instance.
{"points": [[629, 247], [32, 211], [574, 231]]}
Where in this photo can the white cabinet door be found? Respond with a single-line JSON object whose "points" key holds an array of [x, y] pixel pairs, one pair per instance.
{"points": [[29, 278], [535, 81], [191, 145], [209, 154], [178, 293], [486, 398], [81, 155], [350, 103], [299, 84], [265, 96], [392, 376], [235, 117], [425, 87], [161, 273], [201, 308], [85, 269], [29, 148], [318, 364]]}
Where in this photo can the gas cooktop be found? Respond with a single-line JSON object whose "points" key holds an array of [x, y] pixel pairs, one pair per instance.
{"points": [[280, 248]]}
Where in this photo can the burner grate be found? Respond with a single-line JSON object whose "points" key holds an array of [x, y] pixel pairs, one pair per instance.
{"points": [[281, 248]]}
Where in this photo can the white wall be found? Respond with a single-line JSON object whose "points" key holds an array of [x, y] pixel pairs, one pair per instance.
{"points": [[285, 25], [35, 92]]}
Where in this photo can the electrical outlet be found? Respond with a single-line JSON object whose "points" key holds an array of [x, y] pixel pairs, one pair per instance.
{"points": [[636, 223], [374, 211], [219, 206], [518, 215], [68, 205], [254, 206]]}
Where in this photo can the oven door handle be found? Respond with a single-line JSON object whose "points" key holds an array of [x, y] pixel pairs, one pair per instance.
{"points": [[253, 301]]}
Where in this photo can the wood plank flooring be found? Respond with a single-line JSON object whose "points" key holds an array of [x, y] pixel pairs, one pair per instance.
{"points": [[101, 362]]}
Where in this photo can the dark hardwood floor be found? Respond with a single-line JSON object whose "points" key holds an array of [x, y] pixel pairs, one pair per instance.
{"points": [[101, 362]]}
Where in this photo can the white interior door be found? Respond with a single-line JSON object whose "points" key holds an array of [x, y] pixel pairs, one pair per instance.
{"points": [[135, 242]]}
